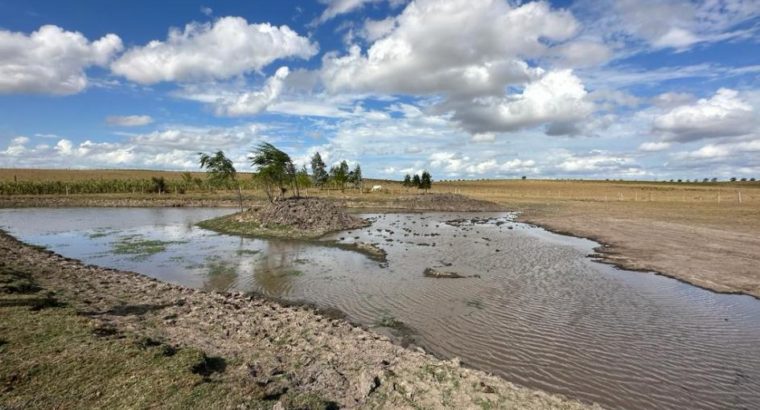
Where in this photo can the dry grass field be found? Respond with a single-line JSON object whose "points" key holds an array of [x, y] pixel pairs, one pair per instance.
{"points": [[707, 234]]}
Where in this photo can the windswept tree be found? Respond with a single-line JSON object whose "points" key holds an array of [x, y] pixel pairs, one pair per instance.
{"points": [[274, 168], [426, 181], [318, 170], [220, 171]]}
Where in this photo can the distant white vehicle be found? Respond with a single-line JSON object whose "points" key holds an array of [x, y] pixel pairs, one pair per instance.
{"points": [[376, 188]]}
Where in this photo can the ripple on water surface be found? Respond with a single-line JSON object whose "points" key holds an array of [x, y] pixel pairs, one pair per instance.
{"points": [[540, 313]]}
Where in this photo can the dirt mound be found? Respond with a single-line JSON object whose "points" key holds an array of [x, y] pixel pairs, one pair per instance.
{"points": [[288, 218], [310, 214]]}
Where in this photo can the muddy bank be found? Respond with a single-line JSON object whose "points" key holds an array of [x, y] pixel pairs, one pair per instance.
{"points": [[283, 350]]}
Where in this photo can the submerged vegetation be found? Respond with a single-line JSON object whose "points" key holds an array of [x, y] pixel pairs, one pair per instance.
{"points": [[139, 246]]}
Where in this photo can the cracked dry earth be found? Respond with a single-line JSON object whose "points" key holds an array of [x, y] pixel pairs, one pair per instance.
{"points": [[276, 348]]}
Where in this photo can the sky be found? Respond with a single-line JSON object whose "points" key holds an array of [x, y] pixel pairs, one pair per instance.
{"points": [[593, 89]]}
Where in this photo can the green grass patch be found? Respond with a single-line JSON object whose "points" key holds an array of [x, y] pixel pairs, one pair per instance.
{"points": [[101, 233], [241, 252], [54, 358], [141, 247]]}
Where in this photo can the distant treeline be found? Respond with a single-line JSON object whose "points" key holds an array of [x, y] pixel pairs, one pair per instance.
{"points": [[119, 186]]}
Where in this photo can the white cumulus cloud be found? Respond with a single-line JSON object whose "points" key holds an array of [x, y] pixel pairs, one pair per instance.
{"points": [[725, 114], [253, 102], [51, 60], [557, 98], [204, 51]]}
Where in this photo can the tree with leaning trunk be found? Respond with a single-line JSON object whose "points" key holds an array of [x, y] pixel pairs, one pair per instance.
{"points": [[275, 169], [220, 171]]}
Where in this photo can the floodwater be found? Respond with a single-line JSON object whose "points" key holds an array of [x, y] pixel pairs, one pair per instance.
{"points": [[541, 313]]}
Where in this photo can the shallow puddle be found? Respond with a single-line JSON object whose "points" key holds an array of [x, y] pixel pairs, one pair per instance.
{"points": [[535, 309]]}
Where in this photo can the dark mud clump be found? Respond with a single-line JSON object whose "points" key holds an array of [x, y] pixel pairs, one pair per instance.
{"points": [[288, 218], [435, 273], [372, 251]]}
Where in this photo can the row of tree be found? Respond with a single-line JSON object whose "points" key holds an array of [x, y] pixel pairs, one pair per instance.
{"points": [[276, 172], [732, 179], [423, 181], [339, 175]]}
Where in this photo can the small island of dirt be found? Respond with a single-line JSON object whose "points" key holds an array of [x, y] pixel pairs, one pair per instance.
{"points": [[297, 218]]}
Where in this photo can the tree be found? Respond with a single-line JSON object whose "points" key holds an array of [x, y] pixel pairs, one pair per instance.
{"points": [[158, 185], [318, 170], [416, 182], [407, 180], [733, 179], [355, 177], [425, 181], [275, 169], [339, 175], [220, 171], [524, 177], [303, 179]]}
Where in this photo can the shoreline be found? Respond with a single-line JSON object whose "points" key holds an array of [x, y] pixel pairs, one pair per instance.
{"points": [[610, 255], [610, 250], [624, 257], [341, 362]]}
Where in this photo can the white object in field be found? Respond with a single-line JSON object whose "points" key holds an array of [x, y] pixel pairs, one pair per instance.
{"points": [[376, 188]]}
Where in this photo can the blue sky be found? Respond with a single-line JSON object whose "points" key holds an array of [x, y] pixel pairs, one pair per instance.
{"points": [[466, 89]]}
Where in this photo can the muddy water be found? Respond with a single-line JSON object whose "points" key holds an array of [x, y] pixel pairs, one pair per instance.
{"points": [[541, 313]]}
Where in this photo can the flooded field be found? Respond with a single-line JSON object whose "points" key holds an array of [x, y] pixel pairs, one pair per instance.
{"points": [[532, 308]]}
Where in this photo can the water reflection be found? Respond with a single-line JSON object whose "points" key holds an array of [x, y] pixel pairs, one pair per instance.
{"points": [[222, 275]]}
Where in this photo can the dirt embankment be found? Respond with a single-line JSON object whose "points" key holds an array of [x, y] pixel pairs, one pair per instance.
{"points": [[257, 348], [287, 218]]}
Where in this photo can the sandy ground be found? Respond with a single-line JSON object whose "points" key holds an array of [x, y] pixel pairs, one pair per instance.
{"points": [[279, 348], [720, 252]]}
